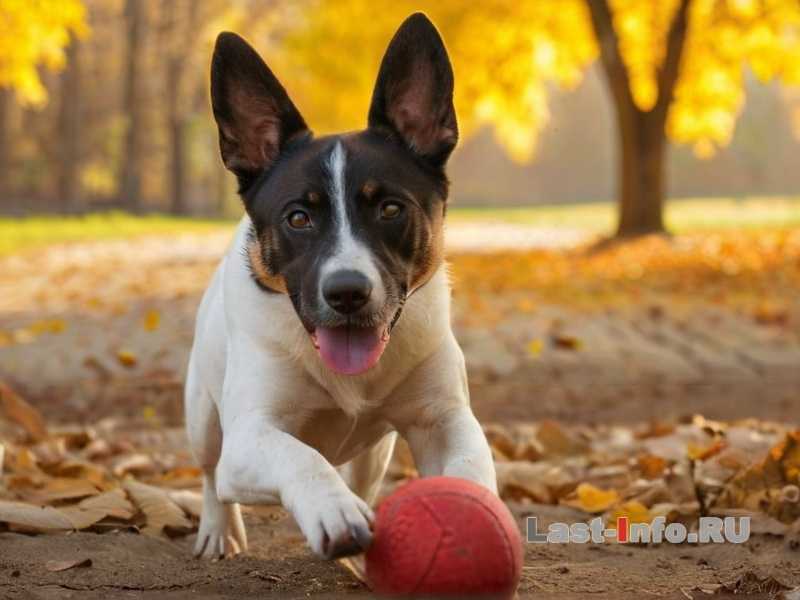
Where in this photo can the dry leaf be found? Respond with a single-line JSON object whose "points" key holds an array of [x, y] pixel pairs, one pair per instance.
{"points": [[591, 499], [90, 511], [651, 466], [64, 488], [566, 342], [159, 509], [152, 319], [62, 565], [697, 452], [36, 518], [127, 358], [138, 464], [555, 440], [19, 411], [535, 347], [635, 511], [191, 502]]}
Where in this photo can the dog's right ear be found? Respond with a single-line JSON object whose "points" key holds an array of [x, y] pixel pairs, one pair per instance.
{"points": [[254, 114]]}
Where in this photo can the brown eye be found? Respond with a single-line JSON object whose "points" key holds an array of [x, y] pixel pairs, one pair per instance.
{"points": [[299, 220], [391, 210]]}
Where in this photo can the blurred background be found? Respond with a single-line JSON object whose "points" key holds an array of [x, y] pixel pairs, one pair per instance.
{"points": [[104, 103], [623, 240]]}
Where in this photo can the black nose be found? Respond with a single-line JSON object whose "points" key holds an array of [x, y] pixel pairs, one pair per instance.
{"points": [[346, 291]]}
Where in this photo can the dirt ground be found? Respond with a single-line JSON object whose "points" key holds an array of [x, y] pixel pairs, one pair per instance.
{"points": [[82, 350]]}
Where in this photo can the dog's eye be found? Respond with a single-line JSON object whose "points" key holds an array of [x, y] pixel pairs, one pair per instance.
{"points": [[299, 220], [391, 210]]}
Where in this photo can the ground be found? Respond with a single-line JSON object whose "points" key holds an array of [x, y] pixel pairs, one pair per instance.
{"points": [[99, 331]]}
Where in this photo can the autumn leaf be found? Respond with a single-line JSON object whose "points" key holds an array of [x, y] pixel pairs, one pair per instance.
{"points": [[535, 347], [566, 342], [152, 320], [634, 511], [92, 510], [127, 358], [698, 452], [33, 518], [161, 512], [55, 566], [19, 411], [591, 499], [651, 466]]}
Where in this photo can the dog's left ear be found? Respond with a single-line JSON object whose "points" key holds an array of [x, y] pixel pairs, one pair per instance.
{"points": [[413, 96], [253, 111]]}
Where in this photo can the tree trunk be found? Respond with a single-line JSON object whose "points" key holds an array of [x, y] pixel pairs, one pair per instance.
{"points": [[642, 136], [69, 129], [5, 154], [130, 179], [641, 175]]}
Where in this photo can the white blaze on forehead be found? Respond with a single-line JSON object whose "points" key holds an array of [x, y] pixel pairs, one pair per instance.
{"points": [[349, 253]]}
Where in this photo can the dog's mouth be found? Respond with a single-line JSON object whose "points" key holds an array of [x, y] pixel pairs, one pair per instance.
{"points": [[351, 349]]}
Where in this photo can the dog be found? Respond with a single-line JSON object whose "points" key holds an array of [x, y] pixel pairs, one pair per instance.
{"points": [[325, 331]]}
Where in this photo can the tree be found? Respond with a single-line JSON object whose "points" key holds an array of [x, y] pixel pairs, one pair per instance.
{"points": [[69, 129], [32, 34], [130, 174], [674, 71], [5, 106]]}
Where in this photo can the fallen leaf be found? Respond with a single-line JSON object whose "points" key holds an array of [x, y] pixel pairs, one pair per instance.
{"points": [[635, 511], [191, 502], [698, 452], [19, 411], [159, 509], [64, 488], [566, 342], [62, 565], [110, 504], [591, 499], [139, 464], [36, 518], [651, 466], [127, 358], [535, 347], [152, 319]]}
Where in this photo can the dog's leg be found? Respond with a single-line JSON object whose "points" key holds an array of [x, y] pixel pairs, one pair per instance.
{"points": [[259, 461], [221, 531], [443, 434], [364, 474]]}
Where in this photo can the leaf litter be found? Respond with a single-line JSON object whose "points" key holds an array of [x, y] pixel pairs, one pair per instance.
{"points": [[104, 478]]}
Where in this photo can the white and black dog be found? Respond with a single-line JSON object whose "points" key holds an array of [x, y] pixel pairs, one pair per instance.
{"points": [[325, 330]]}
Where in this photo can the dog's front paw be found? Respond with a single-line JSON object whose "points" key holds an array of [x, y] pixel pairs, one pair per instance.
{"points": [[221, 533], [337, 523]]}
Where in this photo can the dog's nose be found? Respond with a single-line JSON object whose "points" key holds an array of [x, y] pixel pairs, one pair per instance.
{"points": [[346, 291]]}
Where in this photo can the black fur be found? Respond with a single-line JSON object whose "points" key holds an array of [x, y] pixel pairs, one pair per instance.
{"points": [[385, 162]]}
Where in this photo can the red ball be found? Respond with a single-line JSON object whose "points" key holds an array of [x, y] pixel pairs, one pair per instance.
{"points": [[444, 536]]}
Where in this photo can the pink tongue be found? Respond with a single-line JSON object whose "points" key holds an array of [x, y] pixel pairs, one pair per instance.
{"points": [[350, 350]]}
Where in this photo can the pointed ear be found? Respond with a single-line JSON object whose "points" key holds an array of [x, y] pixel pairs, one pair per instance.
{"points": [[254, 114], [413, 96]]}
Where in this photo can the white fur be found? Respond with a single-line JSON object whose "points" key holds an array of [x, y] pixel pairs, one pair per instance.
{"points": [[349, 253], [269, 422]]}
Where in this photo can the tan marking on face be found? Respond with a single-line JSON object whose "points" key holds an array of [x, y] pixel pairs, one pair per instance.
{"points": [[369, 189], [431, 251], [312, 197], [260, 270]]}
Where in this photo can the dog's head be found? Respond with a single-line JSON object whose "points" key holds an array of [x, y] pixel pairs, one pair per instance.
{"points": [[347, 225]]}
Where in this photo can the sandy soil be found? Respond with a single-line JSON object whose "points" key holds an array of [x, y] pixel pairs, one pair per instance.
{"points": [[634, 366]]}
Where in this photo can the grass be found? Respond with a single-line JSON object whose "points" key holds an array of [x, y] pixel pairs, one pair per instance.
{"points": [[20, 234], [682, 216]]}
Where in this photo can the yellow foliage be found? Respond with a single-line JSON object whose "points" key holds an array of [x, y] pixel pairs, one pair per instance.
{"points": [[34, 33], [507, 55], [591, 499]]}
